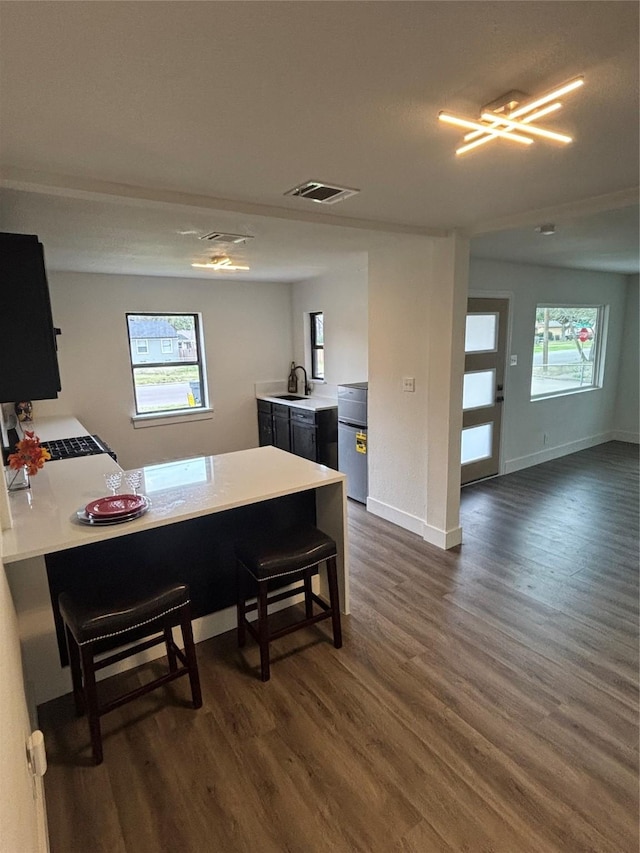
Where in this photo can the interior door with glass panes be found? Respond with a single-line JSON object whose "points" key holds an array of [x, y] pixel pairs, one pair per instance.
{"points": [[483, 390]]}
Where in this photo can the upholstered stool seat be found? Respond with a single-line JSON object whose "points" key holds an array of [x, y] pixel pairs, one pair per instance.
{"points": [[91, 623], [291, 556]]}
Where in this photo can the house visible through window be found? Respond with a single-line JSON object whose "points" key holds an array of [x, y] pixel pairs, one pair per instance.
{"points": [[166, 362], [317, 345], [567, 349]]}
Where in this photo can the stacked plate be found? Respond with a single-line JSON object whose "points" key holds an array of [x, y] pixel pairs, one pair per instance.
{"points": [[114, 509]]}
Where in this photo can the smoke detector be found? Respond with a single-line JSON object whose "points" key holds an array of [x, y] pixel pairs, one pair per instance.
{"points": [[321, 193]]}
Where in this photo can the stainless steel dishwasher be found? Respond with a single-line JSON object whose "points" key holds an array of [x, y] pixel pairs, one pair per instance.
{"points": [[352, 438]]}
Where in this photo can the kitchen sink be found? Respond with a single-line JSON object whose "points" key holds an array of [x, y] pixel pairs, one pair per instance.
{"points": [[288, 397]]}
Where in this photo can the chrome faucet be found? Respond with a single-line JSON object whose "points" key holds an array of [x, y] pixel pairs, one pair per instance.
{"points": [[307, 387]]}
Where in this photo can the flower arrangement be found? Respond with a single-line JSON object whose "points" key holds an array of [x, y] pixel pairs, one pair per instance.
{"points": [[29, 454]]}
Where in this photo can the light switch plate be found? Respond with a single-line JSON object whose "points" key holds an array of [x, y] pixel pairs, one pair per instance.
{"points": [[408, 383], [513, 360]]}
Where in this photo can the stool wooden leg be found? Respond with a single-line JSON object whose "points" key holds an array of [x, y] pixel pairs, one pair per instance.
{"points": [[171, 655], [334, 600], [308, 601], [190, 654], [91, 699], [241, 605], [263, 630], [76, 672]]}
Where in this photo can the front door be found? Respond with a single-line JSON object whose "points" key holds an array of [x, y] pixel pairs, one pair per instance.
{"points": [[483, 392]]}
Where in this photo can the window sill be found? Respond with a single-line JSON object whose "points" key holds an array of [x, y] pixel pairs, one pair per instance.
{"points": [[164, 419], [568, 393]]}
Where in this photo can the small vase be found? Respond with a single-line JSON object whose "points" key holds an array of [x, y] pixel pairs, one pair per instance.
{"points": [[17, 478]]}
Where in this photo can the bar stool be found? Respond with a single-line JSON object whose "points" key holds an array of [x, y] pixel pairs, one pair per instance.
{"points": [[293, 555], [88, 624]]}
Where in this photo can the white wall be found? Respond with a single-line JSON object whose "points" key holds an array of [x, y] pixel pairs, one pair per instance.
{"points": [[571, 422], [247, 333], [22, 822], [627, 412], [343, 297], [414, 331]]}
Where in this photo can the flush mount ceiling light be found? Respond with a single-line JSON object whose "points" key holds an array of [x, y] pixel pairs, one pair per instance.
{"points": [[512, 117], [547, 229], [221, 263]]}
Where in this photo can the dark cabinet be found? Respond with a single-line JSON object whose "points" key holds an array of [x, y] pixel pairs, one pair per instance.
{"points": [[312, 435], [281, 435], [304, 433], [28, 356], [265, 423]]}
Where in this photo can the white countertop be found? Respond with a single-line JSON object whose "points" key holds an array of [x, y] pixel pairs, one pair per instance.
{"points": [[314, 404], [44, 516], [54, 428]]}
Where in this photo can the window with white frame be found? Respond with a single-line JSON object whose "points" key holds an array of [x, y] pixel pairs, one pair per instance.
{"points": [[567, 349], [168, 372]]}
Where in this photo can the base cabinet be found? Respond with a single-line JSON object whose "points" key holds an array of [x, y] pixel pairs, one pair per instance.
{"points": [[304, 440], [312, 435], [281, 431], [265, 424]]}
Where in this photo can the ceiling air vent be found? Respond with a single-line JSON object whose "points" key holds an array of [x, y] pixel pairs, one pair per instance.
{"points": [[321, 193], [223, 237]]}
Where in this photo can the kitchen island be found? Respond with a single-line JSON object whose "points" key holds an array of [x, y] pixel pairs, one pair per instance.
{"points": [[199, 507]]}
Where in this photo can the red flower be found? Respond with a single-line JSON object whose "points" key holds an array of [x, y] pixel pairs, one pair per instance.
{"points": [[29, 454]]}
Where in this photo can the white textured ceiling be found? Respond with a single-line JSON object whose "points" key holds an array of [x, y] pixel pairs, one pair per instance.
{"points": [[607, 241], [240, 101]]}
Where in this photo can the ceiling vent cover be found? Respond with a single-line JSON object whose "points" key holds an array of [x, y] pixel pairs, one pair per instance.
{"points": [[321, 193], [223, 237]]}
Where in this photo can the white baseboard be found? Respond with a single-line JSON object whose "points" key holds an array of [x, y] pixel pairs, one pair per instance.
{"points": [[444, 539], [395, 516], [550, 453], [625, 435]]}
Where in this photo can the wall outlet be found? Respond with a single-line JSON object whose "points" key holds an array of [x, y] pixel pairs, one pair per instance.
{"points": [[513, 360], [408, 383]]}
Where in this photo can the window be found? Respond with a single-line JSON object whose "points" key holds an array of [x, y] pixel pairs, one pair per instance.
{"points": [[567, 349], [168, 371], [317, 345]]}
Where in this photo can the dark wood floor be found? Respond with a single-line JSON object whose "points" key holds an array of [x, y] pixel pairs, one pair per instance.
{"points": [[485, 700]]}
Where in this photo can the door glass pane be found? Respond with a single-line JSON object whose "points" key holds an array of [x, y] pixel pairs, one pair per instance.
{"points": [[478, 389], [476, 443], [481, 333]]}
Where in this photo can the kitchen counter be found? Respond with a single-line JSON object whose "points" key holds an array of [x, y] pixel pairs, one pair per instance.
{"points": [[179, 533], [52, 428], [312, 404], [44, 517]]}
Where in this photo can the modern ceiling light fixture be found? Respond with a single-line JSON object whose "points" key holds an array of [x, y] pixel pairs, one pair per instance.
{"points": [[547, 230], [221, 263], [513, 112]]}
